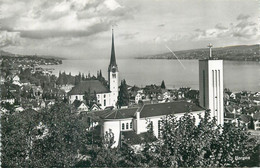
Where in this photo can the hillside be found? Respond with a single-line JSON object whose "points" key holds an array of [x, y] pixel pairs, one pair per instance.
{"points": [[29, 59], [240, 53], [8, 54]]}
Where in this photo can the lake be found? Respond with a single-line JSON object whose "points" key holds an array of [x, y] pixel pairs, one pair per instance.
{"points": [[238, 75]]}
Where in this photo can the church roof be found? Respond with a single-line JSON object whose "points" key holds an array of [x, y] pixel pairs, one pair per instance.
{"points": [[89, 85], [150, 110], [117, 113]]}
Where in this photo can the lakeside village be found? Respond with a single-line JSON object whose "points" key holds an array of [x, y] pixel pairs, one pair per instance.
{"points": [[117, 109]]}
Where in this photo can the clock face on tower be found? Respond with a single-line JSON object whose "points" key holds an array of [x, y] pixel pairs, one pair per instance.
{"points": [[113, 69]]}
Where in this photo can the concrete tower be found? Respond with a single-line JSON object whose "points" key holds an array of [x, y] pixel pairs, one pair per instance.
{"points": [[113, 72], [211, 86]]}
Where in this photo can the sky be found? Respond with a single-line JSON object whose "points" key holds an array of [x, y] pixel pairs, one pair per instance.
{"points": [[81, 29]]}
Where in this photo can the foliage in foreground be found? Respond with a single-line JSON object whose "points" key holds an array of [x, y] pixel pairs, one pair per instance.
{"points": [[186, 144], [58, 137]]}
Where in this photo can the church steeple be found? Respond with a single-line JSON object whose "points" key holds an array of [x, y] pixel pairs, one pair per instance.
{"points": [[113, 73], [113, 55]]}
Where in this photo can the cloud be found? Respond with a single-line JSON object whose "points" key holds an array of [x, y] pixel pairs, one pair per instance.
{"points": [[129, 35], [161, 25], [245, 28], [62, 18], [243, 17], [244, 23], [242, 29], [112, 4], [9, 38], [220, 26], [42, 34]]}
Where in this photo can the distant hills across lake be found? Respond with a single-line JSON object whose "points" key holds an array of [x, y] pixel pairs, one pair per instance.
{"points": [[238, 53], [9, 54], [235, 53]]}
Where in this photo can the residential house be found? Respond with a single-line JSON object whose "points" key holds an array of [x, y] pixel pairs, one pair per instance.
{"points": [[256, 119], [16, 80], [19, 109], [245, 119], [232, 96], [80, 106], [96, 107], [49, 103], [138, 97]]}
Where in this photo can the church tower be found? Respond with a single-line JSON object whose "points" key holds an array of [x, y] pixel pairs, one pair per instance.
{"points": [[211, 86], [113, 78]]}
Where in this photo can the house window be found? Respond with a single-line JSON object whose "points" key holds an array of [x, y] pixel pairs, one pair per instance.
{"points": [[131, 125], [113, 75], [104, 96], [123, 126], [104, 102], [127, 126], [76, 97]]}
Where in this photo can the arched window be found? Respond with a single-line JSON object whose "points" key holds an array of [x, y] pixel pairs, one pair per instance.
{"points": [[123, 126], [127, 127], [131, 125]]}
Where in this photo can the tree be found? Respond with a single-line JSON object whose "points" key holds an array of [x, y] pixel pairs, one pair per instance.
{"points": [[123, 96], [49, 138], [163, 85], [186, 144], [100, 74]]}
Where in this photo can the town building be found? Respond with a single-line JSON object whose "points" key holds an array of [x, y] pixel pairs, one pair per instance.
{"points": [[106, 96], [16, 80], [137, 119], [134, 121]]}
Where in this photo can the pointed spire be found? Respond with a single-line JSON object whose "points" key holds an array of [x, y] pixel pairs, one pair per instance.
{"points": [[113, 55]]}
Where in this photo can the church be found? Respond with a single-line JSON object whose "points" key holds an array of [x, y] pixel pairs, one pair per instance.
{"points": [[133, 122], [106, 96]]}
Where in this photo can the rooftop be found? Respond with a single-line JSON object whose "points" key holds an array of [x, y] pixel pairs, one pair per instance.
{"points": [[150, 110], [117, 113], [89, 85]]}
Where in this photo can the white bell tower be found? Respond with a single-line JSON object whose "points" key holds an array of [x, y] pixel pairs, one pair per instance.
{"points": [[113, 78], [211, 86]]}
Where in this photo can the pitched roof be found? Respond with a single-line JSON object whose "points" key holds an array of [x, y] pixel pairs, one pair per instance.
{"points": [[150, 110], [230, 115], [77, 103], [117, 113], [245, 118], [89, 85], [257, 116]]}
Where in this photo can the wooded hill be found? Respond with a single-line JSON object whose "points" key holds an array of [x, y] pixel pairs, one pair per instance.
{"points": [[239, 53]]}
